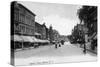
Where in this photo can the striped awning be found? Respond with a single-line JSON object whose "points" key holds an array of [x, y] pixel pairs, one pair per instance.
{"points": [[16, 38], [32, 39], [37, 33], [27, 39], [40, 40]]}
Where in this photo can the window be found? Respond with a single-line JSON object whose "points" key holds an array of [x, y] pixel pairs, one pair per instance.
{"points": [[16, 16], [32, 31], [21, 18], [33, 18], [19, 28], [14, 28], [27, 20], [23, 29], [27, 30], [32, 22]]}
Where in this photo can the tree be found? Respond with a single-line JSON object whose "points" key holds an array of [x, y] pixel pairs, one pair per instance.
{"points": [[78, 34], [88, 16]]}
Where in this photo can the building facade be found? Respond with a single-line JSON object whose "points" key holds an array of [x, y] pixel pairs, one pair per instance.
{"points": [[56, 35], [63, 37], [24, 20], [25, 28], [41, 31]]}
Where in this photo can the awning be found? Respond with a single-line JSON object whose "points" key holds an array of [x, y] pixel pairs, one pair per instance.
{"points": [[95, 37], [35, 39], [43, 41], [39, 40], [46, 41], [16, 38], [27, 39], [37, 33]]}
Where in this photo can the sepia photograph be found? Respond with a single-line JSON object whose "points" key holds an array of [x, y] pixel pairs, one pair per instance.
{"points": [[53, 33]]}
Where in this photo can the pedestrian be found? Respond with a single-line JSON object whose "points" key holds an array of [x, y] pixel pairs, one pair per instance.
{"points": [[84, 50], [56, 45], [59, 44]]}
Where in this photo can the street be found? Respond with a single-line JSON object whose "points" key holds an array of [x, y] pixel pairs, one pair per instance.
{"points": [[49, 54]]}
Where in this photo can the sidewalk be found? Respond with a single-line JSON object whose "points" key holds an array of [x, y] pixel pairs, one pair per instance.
{"points": [[78, 45], [29, 48]]}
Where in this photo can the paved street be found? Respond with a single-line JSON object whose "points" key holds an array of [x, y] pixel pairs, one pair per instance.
{"points": [[49, 54]]}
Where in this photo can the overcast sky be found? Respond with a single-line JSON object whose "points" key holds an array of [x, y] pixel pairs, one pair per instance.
{"points": [[62, 17]]}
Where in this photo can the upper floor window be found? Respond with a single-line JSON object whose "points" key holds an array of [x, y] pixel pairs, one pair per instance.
{"points": [[32, 23], [16, 16], [21, 18], [27, 20]]}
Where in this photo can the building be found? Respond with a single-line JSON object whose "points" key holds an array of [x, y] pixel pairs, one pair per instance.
{"points": [[51, 37], [22, 26], [41, 31], [24, 20], [38, 30], [25, 31], [44, 31], [92, 33], [63, 37], [56, 35]]}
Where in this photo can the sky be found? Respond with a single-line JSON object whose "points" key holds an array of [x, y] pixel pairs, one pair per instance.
{"points": [[62, 17]]}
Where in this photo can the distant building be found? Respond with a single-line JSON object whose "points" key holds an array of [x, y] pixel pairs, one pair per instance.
{"points": [[56, 35], [38, 30], [41, 31], [44, 31], [63, 37], [51, 37]]}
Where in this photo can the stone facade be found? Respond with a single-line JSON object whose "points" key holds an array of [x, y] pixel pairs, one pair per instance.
{"points": [[24, 20], [42, 30]]}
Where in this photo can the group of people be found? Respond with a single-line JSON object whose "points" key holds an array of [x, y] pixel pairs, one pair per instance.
{"points": [[58, 44]]}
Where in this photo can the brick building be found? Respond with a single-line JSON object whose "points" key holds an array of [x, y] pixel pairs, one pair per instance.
{"points": [[24, 20], [41, 31]]}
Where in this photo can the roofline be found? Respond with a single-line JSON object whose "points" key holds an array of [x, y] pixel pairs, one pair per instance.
{"points": [[26, 9]]}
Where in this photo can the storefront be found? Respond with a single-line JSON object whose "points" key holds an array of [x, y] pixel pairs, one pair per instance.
{"points": [[16, 42], [21, 42]]}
